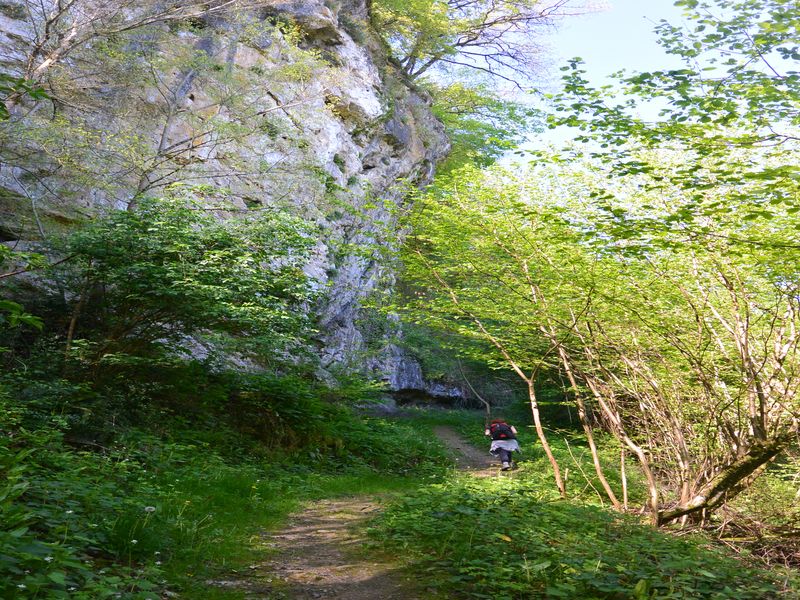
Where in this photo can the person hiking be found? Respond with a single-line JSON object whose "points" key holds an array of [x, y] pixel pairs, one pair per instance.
{"points": [[504, 441]]}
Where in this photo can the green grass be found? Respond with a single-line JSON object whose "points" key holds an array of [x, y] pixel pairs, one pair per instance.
{"points": [[508, 539], [514, 538], [416, 460], [169, 511], [242, 544], [169, 508]]}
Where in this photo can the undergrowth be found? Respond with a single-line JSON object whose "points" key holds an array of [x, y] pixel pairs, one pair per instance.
{"points": [[169, 504], [512, 537]]}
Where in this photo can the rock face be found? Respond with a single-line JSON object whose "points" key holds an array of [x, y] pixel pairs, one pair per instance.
{"points": [[402, 372], [291, 104]]}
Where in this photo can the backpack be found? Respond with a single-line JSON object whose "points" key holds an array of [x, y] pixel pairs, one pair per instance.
{"points": [[501, 431]]}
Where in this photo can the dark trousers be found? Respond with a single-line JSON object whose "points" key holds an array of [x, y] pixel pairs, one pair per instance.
{"points": [[503, 455]]}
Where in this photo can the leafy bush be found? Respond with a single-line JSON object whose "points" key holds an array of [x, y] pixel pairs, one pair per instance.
{"points": [[170, 269], [53, 513]]}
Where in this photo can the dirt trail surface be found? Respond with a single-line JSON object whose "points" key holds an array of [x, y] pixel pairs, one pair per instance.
{"points": [[468, 458], [319, 553]]}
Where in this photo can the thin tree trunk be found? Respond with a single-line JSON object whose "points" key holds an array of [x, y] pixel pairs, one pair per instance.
{"points": [[624, 477], [587, 429], [178, 94], [537, 421], [485, 403], [619, 431], [73, 322]]}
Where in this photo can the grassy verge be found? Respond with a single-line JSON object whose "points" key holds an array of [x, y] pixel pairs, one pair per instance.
{"points": [[514, 538]]}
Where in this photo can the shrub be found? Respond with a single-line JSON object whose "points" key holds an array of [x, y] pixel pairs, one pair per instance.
{"points": [[171, 269]]}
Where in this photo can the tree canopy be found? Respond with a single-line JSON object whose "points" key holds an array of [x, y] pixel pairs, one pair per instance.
{"points": [[685, 350], [653, 264], [732, 110], [498, 37]]}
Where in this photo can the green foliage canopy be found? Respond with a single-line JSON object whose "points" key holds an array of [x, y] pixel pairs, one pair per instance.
{"points": [[481, 125], [731, 110], [687, 343], [495, 37]]}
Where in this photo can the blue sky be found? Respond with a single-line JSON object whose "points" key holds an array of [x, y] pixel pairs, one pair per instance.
{"points": [[619, 37]]}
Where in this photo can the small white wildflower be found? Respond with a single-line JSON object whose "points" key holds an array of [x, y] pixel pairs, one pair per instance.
{"points": [[71, 589], [69, 512], [158, 562], [149, 509], [156, 552], [22, 586], [48, 559], [134, 541]]}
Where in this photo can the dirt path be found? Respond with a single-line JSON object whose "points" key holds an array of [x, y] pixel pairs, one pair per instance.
{"points": [[317, 554], [468, 458]]}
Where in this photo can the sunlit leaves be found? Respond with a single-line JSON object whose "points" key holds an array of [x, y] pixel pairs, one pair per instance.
{"points": [[505, 538], [494, 37], [480, 125], [11, 86], [733, 110], [656, 297]]}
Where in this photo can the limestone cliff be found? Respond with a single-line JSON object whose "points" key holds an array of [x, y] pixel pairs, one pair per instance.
{"points": [[280, 103]]}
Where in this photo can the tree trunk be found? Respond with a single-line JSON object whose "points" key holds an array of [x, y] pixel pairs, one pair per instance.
{"points": [[73, 322], [485, 402], [624, 477], [587, 429], [543, 439], [619, 431], [728, 482]]}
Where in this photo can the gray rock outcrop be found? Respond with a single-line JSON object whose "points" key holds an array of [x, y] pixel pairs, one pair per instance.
{"points": [[292, 104]]}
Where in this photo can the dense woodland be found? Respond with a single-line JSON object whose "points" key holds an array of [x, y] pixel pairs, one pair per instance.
{"points": [[630, 300]]}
